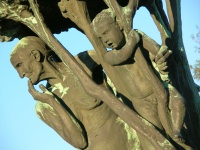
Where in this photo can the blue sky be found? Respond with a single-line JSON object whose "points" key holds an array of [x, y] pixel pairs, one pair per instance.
{"points": [[20, 128]]}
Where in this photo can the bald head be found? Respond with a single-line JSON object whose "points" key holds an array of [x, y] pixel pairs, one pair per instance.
{"points": [[29, 43], [27, 58]]}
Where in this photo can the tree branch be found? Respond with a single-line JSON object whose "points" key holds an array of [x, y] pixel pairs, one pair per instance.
{"points": [[155, 11], [124, 19]]}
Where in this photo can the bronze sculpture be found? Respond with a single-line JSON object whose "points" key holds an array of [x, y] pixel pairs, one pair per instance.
{"points": [[81, 13], [83, 121], [139, 85]]}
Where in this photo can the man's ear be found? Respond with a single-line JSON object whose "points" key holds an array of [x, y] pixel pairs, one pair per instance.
{"points": [[35, 54]]}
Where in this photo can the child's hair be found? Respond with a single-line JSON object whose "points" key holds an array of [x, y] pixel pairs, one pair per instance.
{"points": [[105, 14]]}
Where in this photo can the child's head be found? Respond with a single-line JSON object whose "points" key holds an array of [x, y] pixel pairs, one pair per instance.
{"points": [[106, 28]]}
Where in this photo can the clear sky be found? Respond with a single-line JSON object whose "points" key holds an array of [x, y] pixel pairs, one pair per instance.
{"points": [[20, 128]]}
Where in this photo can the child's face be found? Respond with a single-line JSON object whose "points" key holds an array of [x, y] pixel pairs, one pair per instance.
{"points": [[110, 34]]}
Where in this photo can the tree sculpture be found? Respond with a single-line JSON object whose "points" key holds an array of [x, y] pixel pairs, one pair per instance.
{"points": [[21, 18]]}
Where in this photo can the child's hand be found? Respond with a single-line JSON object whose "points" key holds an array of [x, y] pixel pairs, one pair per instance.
{"points": [[132, 39], [161, 59]]}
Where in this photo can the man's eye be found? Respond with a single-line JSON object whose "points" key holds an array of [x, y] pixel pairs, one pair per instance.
{"points": [[18, 65], [105, 32]]}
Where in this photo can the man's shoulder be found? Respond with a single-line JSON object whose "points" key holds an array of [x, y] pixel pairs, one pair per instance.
{"points": [[139, 32], [88, 60]]}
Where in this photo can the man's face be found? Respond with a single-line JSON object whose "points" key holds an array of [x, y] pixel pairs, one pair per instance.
{"points": [[27, 66], [110, 34]]}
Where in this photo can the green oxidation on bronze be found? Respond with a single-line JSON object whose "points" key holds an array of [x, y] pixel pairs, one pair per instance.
{"points": [[164, 77], [17, 13], [111, 85], [127, 10], [182, 49], [64, 77], [165, 143], [43, 25], [102, 16], [22, 44], [62, 90], [20, 13], [30, 19], [27, 42], [171, 87], [40, 106], [131, 134]]}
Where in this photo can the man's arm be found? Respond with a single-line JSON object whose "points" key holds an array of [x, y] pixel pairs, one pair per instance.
{"points": [[57, 117]]}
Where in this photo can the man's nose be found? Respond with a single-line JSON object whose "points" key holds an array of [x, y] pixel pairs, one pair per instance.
{"points": [[21, 74], [105, 41]]}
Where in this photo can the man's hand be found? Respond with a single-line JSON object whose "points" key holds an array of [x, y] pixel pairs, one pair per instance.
{"points": [[161, 59], [45, 97]]}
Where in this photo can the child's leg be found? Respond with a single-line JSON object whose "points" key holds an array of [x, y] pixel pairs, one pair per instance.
{"points": [[177, 107], [163, 112]]}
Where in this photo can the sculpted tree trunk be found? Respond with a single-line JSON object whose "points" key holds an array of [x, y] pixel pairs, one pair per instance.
{"points": [[180, 75], [171, 34]]}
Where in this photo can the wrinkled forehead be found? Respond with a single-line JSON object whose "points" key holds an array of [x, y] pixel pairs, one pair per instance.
{"points": [[21, 48], [28, 44], [19, 52], [15, 59]]}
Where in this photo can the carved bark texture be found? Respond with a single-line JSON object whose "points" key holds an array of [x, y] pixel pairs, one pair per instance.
{"points": [[180, 75]]}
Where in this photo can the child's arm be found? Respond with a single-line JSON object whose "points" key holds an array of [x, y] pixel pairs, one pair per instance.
{"points": [[148, 43], [156, 51], [158, 54], [115, 57]]}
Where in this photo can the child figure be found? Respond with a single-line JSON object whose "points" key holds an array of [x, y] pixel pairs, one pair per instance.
{"points": [[170, 107]]}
